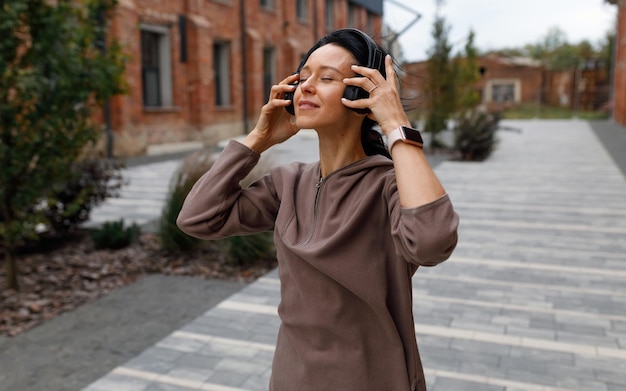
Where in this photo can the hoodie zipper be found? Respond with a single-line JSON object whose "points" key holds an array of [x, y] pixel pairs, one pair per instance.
{"points": [[318, 188]]}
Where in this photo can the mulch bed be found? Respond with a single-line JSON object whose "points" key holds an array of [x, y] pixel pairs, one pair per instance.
{"points": [[58, 277]]}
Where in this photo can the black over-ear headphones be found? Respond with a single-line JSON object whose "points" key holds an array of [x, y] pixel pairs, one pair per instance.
{"points": [[374, 60]]}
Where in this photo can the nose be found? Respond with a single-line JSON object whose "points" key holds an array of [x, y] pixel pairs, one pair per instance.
{"points": [[308, 86]]}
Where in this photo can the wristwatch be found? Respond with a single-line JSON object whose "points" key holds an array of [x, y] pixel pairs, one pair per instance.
{"points": [[404, 134]]}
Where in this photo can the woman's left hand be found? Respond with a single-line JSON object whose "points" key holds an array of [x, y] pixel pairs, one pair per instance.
{"points": [[384, 100]]}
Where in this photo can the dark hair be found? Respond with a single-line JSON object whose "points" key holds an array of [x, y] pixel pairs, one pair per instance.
{"points": [[360, 45]]}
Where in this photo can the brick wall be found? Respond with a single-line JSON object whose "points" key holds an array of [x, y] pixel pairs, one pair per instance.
{"points": [[619, 81], [191, 114], [583, 88], [525, 77]]}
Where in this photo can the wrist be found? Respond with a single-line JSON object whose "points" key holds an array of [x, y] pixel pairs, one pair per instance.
{"points": [[255, 142], [404, 135]]}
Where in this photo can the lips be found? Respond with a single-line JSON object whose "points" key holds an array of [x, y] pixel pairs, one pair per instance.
{"points": [[307, 104]]}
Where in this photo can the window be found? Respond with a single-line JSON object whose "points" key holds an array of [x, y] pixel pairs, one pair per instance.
{"points": [[221, 68], [267, 3], [501, 93], [351, 15], [301, 9], [269, 70], [370, 24], [330, 15], [155, 66]]}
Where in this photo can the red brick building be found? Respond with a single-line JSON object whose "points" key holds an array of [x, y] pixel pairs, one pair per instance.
{"points": [[200, 70], [503, 82], [510, 81], [619, 76], [586, 87]]}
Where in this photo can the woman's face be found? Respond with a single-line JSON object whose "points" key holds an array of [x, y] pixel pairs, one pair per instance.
{"points": [[317, 99]]}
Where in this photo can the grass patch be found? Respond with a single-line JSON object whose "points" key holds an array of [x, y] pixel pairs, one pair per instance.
{"points": [[529, 111]]}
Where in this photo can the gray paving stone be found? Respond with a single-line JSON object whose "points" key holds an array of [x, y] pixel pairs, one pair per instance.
{"points": [[227, 378], [440, 357], [119, 383], [445, 384], [469, 346], [523, 208], [256, 383], [167, 387]]}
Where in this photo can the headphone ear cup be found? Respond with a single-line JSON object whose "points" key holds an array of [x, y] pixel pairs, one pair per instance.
{"points": [[354, 93], [351, 92], [290, 109]]}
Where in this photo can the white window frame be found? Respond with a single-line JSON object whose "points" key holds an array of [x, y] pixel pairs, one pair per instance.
{"points": [[329, 13], [517, 89], [165, 63], [267, 4], [302, 10], [351, 15]]}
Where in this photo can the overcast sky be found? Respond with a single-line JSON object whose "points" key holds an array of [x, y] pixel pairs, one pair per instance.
{"points": [[499, 23]]}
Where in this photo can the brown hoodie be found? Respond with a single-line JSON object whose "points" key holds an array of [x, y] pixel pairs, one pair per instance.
{"points": [[346, 253]]}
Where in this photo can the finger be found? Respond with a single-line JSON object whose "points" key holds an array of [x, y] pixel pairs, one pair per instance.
{"points": [[358, 81], [290, 79], [369, 73], [278, 90], [390, 70], [279, 102], [356, 104]]}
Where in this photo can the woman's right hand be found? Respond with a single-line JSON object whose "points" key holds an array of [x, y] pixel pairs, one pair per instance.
{"points": [[274, 125]]}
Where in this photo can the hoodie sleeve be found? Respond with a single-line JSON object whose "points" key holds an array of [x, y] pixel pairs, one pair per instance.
{"points": [[426, 235], [217, 206]]}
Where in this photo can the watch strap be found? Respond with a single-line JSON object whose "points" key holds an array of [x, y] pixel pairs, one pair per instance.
{"points": [[400, 134], [393, 137]]}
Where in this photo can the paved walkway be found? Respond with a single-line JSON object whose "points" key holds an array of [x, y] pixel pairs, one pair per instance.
{"points": [[141, 199], [534, 297]]}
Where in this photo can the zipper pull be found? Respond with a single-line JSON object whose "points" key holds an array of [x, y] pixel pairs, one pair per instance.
{"points": [[319, 184]]}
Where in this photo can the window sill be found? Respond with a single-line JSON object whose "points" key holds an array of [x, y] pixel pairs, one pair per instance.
{"points": [[161, 109], [268, 9], [224, 2]]}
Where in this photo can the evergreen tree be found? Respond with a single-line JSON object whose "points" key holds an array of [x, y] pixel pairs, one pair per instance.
{"points": [[440, 84], [467, 75]]}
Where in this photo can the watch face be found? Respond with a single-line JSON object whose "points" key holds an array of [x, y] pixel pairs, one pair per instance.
{"points": [[412, 135]]}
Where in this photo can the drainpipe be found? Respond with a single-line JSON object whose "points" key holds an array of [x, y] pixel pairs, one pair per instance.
{"points": [[612, 68], [106, 109], [244, 72]]}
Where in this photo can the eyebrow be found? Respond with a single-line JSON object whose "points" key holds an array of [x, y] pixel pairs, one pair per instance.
{"points": [[325, 68]]}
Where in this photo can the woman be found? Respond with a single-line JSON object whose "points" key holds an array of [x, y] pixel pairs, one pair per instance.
{"points": [[350, 230]]}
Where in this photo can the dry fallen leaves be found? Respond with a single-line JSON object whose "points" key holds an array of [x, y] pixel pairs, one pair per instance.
{"points": [[60, 279]]}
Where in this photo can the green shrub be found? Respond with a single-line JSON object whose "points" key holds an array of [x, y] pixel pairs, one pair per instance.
{"points": [[172, 239], [54, 74], [90, 182], [248, 249], [113, 235], [475, 134], [245, 250]]}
